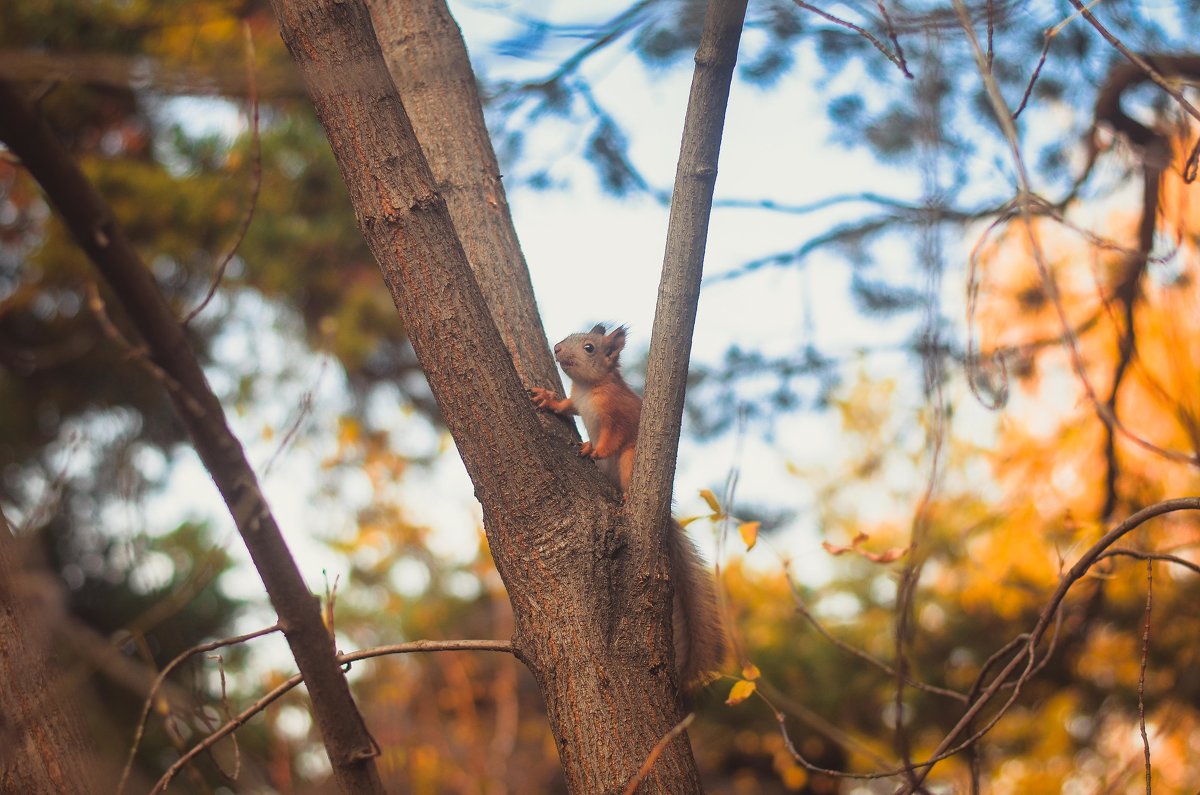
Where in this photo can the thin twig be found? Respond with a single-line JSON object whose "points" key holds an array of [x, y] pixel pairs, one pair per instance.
{"points": [[343, 659], [656, 751], [1139, 555], [137, 353], [1037, 70], [162, 677], [879, 45], [891, 31], [237, 750], [1190, 168], [255, 183], [1142, 670], [866, 656], [1051, 33]]}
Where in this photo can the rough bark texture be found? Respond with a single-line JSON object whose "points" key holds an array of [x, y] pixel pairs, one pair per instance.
{"points": [[679, 289], [555, 527], [42, 747], [428, 62], [350, 747]]}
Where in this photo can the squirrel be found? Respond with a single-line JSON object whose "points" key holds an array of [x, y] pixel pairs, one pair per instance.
{"points": [[611, 412]]}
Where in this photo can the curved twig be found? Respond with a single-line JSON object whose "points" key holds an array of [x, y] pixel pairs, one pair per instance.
{"points": [[273, 695], [162, 677], [256, 179]]}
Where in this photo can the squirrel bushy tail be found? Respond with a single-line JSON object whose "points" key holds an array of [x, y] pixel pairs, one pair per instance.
{"points": [[696, 617]]}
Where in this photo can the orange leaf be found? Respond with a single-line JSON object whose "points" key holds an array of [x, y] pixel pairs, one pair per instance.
{"points": [[750, 671], [749, 531], [711, 499], [741, 690]]}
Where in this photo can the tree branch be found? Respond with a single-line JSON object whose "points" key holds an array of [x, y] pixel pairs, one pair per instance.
{"points": [[90, 220], [277, 692], [649, 498]]}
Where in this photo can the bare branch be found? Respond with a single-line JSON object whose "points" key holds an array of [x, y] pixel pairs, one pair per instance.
{"points": [[656, 751], [141, 72], [255, 179], [276, 693], [1139, 555], [648, 499], [1141, 688], [950, 743], [1024, 203], [895, 57], [162, 677], [92, 223]]}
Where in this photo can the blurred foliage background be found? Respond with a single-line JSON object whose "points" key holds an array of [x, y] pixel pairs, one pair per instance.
{"points": [[92, 463]]}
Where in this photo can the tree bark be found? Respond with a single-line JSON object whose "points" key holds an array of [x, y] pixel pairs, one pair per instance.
{"points": [[555, 526], [427, 59], [649, 501], [350, 746], [42, 745]]}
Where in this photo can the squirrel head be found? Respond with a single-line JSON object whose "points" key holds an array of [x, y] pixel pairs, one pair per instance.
{"points": [[591, 357]]}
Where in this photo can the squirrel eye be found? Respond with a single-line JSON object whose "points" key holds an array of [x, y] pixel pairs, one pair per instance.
{"points": [[589, 347]]}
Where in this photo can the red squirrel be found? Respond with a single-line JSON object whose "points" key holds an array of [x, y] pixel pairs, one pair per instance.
{"points": [[611, 412]]}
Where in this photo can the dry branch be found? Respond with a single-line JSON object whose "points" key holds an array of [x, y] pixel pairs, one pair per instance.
{"points": [[239, 720], [351, 750]]}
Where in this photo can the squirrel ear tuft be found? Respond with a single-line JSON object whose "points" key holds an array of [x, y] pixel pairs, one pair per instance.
{"points": [[598, 329], [615, 342]]}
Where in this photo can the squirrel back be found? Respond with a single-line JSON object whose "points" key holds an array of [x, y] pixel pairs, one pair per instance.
{"points": [[611, 412]]}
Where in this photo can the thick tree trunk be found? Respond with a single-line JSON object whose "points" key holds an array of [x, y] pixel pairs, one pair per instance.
{"points": [[428, 61], [555, 526], [42, 746]]}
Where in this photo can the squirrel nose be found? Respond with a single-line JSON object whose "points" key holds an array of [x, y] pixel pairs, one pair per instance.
{"points": [[558, 349]]}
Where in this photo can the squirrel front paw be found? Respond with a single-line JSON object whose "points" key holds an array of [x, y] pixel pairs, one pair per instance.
{"points": [[543, 398], [586, 450]]}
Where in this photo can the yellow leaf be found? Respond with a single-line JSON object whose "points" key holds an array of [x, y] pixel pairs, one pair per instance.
{"points": [[711, 499], [749, 531], [688, 521], [741, 691], [750, 671]]}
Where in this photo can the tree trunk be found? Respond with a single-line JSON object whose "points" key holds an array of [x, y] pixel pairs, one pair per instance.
{"points": [[555, 526], [428, 62], [42, 747]]}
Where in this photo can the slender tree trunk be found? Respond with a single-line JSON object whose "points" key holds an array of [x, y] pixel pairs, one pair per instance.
{"points": [[556, 528], [42, 746], [350, 746], [683, 266]]}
